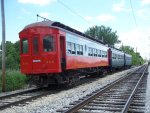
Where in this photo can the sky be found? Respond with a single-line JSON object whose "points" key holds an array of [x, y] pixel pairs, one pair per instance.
{"points": [[130, 18]]}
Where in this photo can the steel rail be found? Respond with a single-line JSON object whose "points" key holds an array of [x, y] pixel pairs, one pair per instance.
{"points": [[3, 106], [22, 101], [126, 107], [90, 98], [14, 93]]}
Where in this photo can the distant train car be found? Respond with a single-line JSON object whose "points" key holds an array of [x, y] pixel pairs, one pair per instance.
{"points": [[128, 60], [117, 58]]}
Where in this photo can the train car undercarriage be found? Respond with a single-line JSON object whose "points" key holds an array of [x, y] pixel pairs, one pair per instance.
{"points": [[68, 78]]}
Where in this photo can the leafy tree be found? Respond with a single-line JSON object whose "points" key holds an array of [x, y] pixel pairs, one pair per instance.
{"points": [[17, 49], [12, 55], [103, 33], [136, 58]]}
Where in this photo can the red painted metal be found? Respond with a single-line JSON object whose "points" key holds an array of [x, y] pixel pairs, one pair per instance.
{"points": [[44, 62], [74, 62]]}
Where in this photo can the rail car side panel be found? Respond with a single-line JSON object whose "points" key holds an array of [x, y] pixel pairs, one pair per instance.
{"points": [[74, 61]]}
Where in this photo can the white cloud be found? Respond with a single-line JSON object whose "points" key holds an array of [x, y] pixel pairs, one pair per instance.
{"points": [[25, 11], [100, 18], [44, 14], [137, 38], [36, 2], [143, 13], [119, 7], [105, 18], [145, 2], [88, 18]]}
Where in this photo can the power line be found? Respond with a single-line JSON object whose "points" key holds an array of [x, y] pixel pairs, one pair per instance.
{"points": [[72, 11], [133, 13]]}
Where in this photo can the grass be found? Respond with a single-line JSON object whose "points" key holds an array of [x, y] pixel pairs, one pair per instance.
{"points": [[14, 80]]}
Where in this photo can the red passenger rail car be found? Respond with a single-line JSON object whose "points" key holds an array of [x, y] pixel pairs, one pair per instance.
{"points": [[53, 53]]}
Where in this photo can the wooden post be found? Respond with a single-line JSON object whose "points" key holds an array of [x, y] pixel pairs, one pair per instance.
{"points": [[3, 47]]}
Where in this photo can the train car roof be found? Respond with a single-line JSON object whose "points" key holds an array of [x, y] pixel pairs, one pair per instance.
{"points": [[62, 26]]}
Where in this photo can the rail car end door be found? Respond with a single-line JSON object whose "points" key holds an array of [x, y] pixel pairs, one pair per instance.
{"points": [[36, 57]]}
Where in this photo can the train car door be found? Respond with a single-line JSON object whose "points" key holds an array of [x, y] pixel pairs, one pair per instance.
{"points": [[62, 52], [36, 57], [110, 57]]}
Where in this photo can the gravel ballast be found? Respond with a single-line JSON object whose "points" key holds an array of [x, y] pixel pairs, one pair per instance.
{"points": [[53, 102], [147, 110]]}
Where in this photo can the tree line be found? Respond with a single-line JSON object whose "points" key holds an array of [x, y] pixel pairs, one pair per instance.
{"points": [[102, 33]]}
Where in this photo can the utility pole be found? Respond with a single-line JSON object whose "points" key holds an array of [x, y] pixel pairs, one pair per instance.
{"points": [[136, 57], [3, 46]]}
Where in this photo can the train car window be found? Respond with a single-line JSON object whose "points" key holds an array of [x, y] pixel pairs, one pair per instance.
{"points": [[99, 54], [93, 52], [48, 43], [105, 54], [89, 51], [115, 56], [69, 47], [81, 49], [73, 48], [24, 48], [102, 53], [35, 45], [96, 52], [78, 49]]}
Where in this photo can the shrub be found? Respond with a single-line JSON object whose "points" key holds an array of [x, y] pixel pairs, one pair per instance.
{"points": [[14, 80]]}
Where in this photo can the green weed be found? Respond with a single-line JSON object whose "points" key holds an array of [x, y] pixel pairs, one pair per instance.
{"points": [[14, 80]]}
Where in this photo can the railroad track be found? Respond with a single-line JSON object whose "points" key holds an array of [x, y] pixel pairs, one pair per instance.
{"points": [[21, 97], [127, 94]]}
